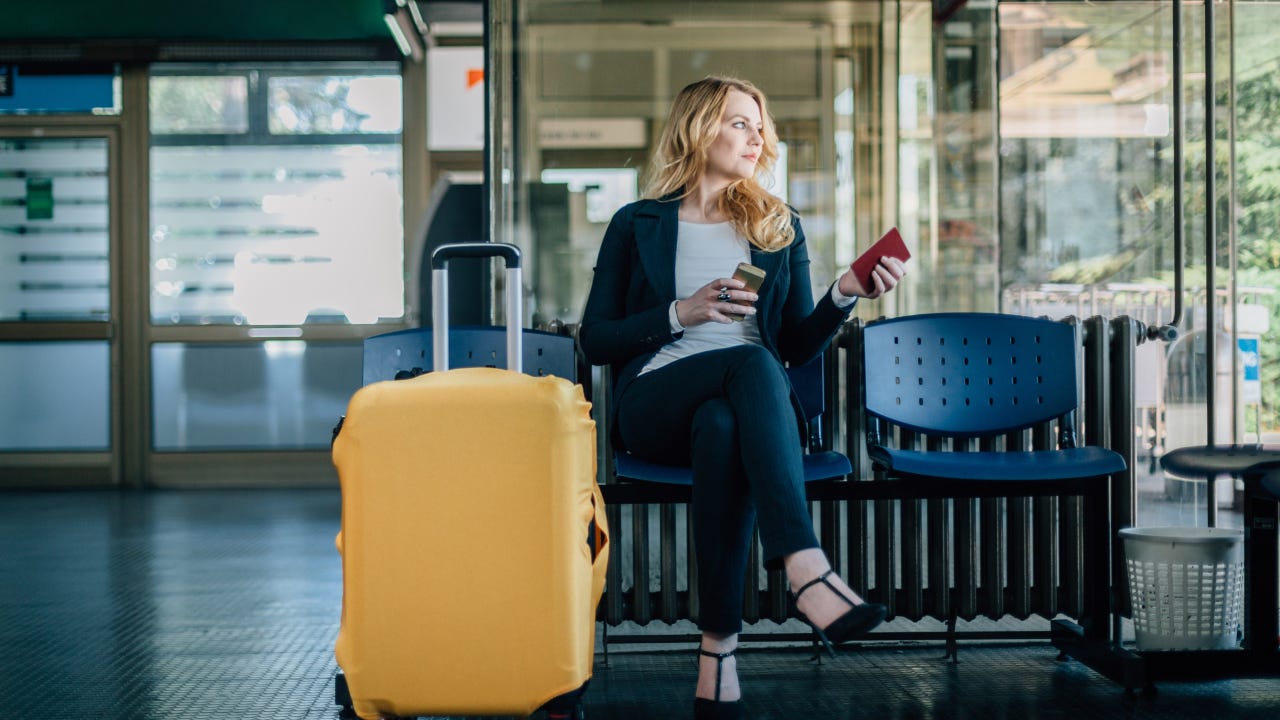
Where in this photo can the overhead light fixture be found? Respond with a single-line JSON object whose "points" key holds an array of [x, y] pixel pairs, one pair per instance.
{"points": [[418, 21], [403, 29]]}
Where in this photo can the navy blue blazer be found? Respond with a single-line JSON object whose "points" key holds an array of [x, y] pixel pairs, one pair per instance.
{"points": [[626, 318]]}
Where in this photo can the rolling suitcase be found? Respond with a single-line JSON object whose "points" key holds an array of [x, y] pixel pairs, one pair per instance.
{"points": [[473, 536]]}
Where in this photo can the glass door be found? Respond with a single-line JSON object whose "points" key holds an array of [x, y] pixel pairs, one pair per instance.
{"points": [[59, 339]]}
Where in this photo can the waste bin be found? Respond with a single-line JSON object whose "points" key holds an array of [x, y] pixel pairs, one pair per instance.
{"points": [[1186, 586]]}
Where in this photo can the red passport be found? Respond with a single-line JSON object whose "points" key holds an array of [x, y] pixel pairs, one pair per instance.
{"points": [[890, 245]]}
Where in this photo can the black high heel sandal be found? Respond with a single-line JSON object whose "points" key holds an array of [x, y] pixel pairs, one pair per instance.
{"points": [[704, 709], [860, 619]]}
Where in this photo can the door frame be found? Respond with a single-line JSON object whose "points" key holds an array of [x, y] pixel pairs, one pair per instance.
{"points": [[48, 469]]}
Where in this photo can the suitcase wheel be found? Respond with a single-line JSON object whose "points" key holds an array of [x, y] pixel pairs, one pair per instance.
{"points": [[576, 713], [342, 696]]}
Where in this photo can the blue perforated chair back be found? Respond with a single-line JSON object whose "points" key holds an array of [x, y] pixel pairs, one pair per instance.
{"points": [[969, 374], [408, 352]]}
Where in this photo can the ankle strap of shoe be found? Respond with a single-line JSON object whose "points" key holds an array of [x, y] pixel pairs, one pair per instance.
{"points": [[720, 658], [820, 579]]}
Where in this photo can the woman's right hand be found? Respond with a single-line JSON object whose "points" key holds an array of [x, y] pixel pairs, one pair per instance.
{"points": [[706, 305]]}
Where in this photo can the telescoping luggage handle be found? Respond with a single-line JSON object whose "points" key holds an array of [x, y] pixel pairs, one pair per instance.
{"points": [[440, 298]]}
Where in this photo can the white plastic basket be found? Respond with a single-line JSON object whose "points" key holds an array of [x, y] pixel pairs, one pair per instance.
{"points": [[1186, 586]]}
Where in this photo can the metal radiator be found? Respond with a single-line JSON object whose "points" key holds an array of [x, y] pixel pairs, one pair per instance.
{"points": [[941, 559]]}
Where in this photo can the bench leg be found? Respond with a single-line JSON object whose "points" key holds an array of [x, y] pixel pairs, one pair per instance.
{"points": [[1096, 618]]}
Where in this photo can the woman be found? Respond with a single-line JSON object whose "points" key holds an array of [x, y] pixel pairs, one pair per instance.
{"points": [[691, 386]]}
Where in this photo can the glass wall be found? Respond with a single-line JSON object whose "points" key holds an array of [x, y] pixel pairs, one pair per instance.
{"points": [[55, 396], [276, 201], [54, 222], [251, 396], [276, 196], [1089, 124], [56, 299], [1026, 150], [595, 84]]}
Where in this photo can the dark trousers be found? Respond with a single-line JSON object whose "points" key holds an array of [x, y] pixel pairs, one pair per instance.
{"points": [[728, 414]]}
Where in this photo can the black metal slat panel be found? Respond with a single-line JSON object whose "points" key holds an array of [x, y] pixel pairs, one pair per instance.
{"points": [[885, 549], [1018, 542], [861, 544], [668, 541], [994, 554], [967, 563], [641, 604], [777, 607], [1093, 414], [1096, 414], [1124, 341], [991, 547], [913, 562], [941, 558], [1020, 570], [1072, 578], [1045, 549], [613, 574], [941, 547], [695, 607], [829, 533], [886, 553]]}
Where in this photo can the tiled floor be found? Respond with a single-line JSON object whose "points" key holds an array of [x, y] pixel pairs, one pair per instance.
{"points": [[225, 604]]}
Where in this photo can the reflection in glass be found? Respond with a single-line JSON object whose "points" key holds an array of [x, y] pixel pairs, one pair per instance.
{"points": [[54, 230], [199, 104], [276, 235], [603, 76], [325, 104], [249, 227], [1084, 123], [276, 395], [55, 396]]}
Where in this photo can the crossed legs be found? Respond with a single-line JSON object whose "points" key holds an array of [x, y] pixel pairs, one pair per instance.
{"points": [[728, 413]]}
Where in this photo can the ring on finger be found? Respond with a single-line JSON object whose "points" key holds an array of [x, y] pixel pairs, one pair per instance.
{"points": [[724, 296]]}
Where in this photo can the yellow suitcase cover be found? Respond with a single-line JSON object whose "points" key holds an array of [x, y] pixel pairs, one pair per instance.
{"points": [[469, 586]]}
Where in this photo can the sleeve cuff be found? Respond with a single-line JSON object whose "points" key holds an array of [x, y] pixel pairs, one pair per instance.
{"points": [[676, 327], [842, 301]]}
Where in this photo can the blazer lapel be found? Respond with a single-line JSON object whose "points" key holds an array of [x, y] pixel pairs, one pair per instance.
{"points": [[656, 243], [770, 263]]}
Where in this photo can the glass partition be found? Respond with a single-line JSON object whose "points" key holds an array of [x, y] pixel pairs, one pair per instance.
{"points": [[1088, 127], [274, 395], [55, 396], [54, 230], [276, 196], [1025, 150], [1255, 175]]}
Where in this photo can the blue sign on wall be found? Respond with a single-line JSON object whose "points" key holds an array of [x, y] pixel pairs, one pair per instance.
{"points": [[1251, 388], [80, 91]]}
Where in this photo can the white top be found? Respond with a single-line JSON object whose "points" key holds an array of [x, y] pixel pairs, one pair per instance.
{"points": [[704, 252]]}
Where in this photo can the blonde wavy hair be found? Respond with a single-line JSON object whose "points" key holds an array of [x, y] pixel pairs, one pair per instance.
{"points": [[680, 161]]}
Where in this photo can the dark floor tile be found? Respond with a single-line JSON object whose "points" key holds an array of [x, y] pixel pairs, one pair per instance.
{"points": [[225, 604]]}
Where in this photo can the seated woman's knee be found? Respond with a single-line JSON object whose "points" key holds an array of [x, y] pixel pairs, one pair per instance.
{"points": [[716, 418], [759, 362]]}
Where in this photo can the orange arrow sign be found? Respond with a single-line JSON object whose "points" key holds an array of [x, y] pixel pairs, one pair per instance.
{"points": [[475, 76]]}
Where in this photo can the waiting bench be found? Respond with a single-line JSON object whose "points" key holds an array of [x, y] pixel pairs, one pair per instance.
{"points": [[937, 550]]}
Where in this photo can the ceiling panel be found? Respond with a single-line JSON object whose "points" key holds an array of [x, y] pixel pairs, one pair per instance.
{"points": [[219, 20]]}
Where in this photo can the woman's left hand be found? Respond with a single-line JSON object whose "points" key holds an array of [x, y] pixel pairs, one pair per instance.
{"points": [[884, 278]]}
